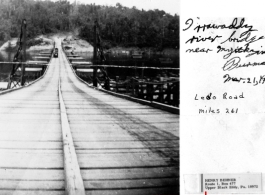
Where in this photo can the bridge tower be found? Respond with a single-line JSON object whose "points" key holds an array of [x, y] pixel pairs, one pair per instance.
{"points": [[16, 77], [99, 57]]}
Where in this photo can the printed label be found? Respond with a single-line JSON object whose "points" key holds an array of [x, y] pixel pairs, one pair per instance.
{"points": [[231, 183]]}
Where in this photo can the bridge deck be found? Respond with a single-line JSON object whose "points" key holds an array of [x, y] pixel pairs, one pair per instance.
{"points": [[121, 146], [31, 142]]}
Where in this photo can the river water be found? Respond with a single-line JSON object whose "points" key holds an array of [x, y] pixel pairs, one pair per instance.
{"points": [[148, 60], [5, 69]]}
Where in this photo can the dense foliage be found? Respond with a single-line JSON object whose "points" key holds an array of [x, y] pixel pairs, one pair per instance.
{"points": [[119, 25]]}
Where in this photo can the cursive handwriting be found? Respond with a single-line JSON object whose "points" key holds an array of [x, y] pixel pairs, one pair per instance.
{"points": [[226, 96], [243, 38], [234, 63], [241, 41], [234, 25], [211, 110], [238, 49], [202, 39], [198, 50], [255, 80]]}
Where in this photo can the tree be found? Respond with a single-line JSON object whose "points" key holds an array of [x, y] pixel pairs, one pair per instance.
{"points": [[119, 25]]}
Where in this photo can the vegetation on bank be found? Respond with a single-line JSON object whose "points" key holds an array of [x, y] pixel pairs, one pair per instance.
{"points": [[119, 25]]}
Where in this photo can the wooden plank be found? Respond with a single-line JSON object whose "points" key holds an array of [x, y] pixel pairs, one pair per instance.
{"points": [[116, 163], [122, 144], [75, 58], [12, 102], [31, 174], [33, 69], [31, 127], [84, 69], [91, 128], [36, 161], [165, 151], [104, 137], [42, 58], [126, 123], [31, 116], [33, 122], [29, 106], [116, 115], [101, 137], [105, 107], [95, 127], [135, 173], [23, 121], [70, 55], [37, 62], [147, 191], [34, 111], [31, 144], [167, 159], [128, 111], [31, 151], [91, 122], [142, 158], [73, 180], [31, 185], [131, 184], [31, 136], [29, 102], [81, 101], [81, 63], [122, 118], [32, 192], [25, 97]]}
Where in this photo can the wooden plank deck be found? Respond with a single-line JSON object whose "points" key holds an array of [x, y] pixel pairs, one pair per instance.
{"points": [[122, 147], [31, 142]]}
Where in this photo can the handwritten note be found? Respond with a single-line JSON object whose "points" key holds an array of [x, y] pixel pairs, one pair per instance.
{"points": [[232, 50], [222, 95]]}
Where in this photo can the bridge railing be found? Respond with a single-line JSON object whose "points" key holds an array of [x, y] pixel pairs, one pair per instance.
{"points": [[32, 71], [164, 89], [166, 92]]}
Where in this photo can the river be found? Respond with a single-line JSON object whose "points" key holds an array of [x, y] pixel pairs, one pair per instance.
{"points": [[5, 69]]}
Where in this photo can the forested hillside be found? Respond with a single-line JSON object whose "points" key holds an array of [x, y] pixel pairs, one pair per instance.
{"points": [[119, 25]]}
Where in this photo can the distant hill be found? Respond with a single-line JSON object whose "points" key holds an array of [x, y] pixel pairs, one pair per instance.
{"points": [[119, 25]]}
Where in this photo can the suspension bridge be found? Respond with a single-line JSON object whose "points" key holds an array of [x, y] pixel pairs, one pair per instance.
{"points": [[60, 136]]}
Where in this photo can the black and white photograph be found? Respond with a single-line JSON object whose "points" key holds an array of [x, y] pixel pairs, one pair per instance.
{"points": [[90, 97]]}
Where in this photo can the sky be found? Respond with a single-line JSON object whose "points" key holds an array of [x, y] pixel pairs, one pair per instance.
{"points": [[169, 6]]}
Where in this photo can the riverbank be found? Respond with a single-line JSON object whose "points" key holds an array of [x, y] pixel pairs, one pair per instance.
{"points": [[40, 42], [146, 50], [9, 45], [75, 44], [46, 42]]}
